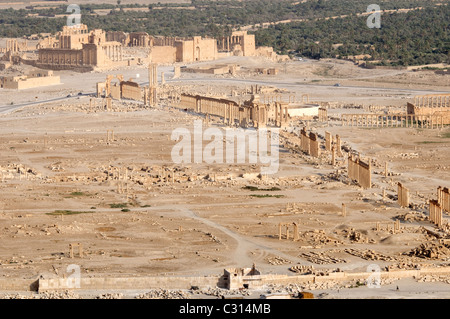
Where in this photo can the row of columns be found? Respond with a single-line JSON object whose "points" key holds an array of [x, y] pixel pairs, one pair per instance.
{"points": [[114, 52], [440, 100], [12, 45], [295, 233], [80, 249], [230, 111], [444, 198], [380, 120], [279, 98], [435, 213], [323, 114], [281, 114]]}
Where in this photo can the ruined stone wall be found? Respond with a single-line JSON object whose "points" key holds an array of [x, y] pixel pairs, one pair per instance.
{"points": [[188, 102], [60, 57], [204, 49], [197, 49], [164, 54], [185, 51], [73, 41], [115, 92], [65, 59], [132, 91], [17, 284], [359, 171], [248, 45], [27, 83], [256, 281], [365, 179], [304, 141], [118, 36], [403, 195], [132, 283], [164, 41], [314, 145]]}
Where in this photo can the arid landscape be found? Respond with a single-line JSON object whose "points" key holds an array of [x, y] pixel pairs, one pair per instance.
{"points": [[88, 180]]}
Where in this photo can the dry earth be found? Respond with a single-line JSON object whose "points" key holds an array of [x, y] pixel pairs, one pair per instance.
{"points": [[200, 218]]}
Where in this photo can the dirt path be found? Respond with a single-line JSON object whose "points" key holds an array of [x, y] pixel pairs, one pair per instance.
{"points": [[244, 246]]}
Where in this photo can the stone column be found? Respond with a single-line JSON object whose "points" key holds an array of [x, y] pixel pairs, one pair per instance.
{"points": [[338, 146], [333, 155], [296, 236]]}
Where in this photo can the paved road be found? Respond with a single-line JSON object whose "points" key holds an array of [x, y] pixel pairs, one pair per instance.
{"points": [[8, 108]]}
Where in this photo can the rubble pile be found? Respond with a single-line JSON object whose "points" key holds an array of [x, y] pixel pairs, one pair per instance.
{"points": [[57, 295], [277, 260], [355, 236], [321, 258], [219, 292], [318, 237], [296, 288], [430, 250], [434, 278], [368, 254], [302, 269], [404, 266], [412, 217], [110, 296], [163, 294]]}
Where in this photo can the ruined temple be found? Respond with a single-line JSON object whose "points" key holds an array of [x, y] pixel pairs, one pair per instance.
{"points": [[76, 48]]}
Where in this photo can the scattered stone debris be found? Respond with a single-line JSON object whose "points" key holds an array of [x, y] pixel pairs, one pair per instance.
{"points": [[110, 296], [45, 295], [219, 292], [163, 294], [434, 278], [356, 236], [317, 238], [302, 269], [278, 261], [321, 258], [404, 266], [430, 250], [368, 254], [412, 217], [297, 288]]}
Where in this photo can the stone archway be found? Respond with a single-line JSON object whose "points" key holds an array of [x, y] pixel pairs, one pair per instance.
{"points": [[109, 79]]}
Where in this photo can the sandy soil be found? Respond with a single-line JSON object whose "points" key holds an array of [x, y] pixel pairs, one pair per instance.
{"points": [[196, 224]]}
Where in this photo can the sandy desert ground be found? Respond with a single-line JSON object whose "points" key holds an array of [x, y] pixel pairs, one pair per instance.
{"points": [[198, 219]]}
